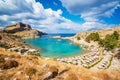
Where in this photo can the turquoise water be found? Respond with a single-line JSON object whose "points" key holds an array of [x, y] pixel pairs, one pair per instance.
{"points": [[50, 47]]}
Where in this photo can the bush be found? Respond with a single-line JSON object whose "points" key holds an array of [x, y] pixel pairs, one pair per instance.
{"points": [[115, 35], [110, 41], [92, 37], [4, 45], [78, 38], [30, 71], [16, 50], [9, 64]]}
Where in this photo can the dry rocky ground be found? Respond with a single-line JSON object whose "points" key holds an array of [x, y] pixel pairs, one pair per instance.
{"points": [[29, 67]]}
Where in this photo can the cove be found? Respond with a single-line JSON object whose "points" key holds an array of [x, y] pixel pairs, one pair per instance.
{"points": [[50, 47]]}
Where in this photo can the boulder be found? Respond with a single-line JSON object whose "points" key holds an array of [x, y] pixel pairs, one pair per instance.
{"points": [[9, 64], [52, 73]]}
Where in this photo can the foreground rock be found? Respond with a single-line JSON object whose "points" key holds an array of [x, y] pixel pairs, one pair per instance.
{"points": [[31, 68], [23, 30]]}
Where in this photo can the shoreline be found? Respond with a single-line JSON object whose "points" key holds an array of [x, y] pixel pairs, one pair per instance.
{"points": [[102, 61], [92, 62]]}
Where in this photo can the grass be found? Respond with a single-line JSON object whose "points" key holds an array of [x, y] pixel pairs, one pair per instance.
{"points": [[109, 63], [95, 63]]}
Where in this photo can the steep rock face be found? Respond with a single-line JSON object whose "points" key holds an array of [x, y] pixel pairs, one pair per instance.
{"points": [[23, 30], [33, 33], [17, 27]]}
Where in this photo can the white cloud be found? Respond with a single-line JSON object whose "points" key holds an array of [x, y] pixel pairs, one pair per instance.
{"points": [[91, 10], [48, 20]]}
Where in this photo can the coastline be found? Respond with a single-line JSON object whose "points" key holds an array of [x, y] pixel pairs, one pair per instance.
{"points": [[84, 63], [104, 60]]}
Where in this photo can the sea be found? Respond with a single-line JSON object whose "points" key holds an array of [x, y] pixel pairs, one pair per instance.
{"points": [[51, 47]]}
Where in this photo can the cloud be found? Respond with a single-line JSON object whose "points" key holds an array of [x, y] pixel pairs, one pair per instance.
{"points": [[29, 11], [47, 20], [91, 10]]}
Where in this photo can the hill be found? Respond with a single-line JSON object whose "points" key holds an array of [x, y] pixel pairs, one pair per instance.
{"points": [[102, 32], [23, 30]]}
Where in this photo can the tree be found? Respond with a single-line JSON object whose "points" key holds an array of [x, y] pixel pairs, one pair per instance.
{"points": [[93, 37], [110, 41], [115, 35]]}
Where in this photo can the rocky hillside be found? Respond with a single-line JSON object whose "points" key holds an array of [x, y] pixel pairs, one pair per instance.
{"points": [[11, 40], [23, 30], [102, 32], [26, 67], [15, 43]]}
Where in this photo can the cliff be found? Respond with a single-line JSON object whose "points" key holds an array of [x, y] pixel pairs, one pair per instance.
{"points": [[23, 30]]}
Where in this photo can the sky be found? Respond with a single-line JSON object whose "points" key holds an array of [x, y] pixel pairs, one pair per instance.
{"points": [[61, 16]]}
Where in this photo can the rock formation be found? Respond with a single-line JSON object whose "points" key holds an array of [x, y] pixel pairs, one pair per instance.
{"points": [[23, 30]]}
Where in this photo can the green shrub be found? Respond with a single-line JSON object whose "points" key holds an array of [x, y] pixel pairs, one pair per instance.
{"points": [[92, 37], [110, 41], [4, 45], [78, 38]]}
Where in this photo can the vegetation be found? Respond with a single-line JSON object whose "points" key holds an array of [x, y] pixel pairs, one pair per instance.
{"points": [[30, 71], [109, 42], [93, 37], [110, 62], [78, 38], [4, 45], [95, 63], [15, 36]]}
